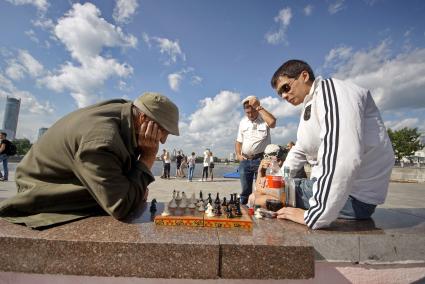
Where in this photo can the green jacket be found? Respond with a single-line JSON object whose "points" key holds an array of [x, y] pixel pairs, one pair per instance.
{"points": [[85, 163]]}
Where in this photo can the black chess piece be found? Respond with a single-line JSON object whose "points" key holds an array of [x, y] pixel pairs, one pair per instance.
{"points": [[217, 199], [201, 196], [209, 200], [229, 213], [237, 200], [238, 212], [231, 201], [218, 209], [152, 209], [224, 202]]}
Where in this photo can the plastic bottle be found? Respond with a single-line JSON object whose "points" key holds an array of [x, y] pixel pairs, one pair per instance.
{"points": [[275, 183], [289, 188]]}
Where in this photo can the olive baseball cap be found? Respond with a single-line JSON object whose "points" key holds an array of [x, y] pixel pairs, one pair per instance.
{"points": [[160, 109]]}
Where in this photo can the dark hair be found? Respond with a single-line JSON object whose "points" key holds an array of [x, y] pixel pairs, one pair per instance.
{"points": [[292, 69], [4, 133]]}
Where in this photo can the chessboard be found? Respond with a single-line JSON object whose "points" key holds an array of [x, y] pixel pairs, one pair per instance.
{"points": [[218, 213]]}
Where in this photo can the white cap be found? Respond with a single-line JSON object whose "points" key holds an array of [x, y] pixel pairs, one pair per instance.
{"points": [[248, 98]]}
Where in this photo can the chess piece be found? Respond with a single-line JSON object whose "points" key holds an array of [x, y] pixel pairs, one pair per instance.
{"points": [[238, 212], [184, 201], [217, 199], [201, 195], [191, 205], [174, 193], [224, 202], [209, 199], [201, 207], [209, 211], [193, 198], [172, 204], [229, 213], [218, 210], [178, 197], [166, 212], [152, 209]]}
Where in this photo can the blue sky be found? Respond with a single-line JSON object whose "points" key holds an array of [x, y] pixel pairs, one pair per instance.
{"points": [[207, 56]]}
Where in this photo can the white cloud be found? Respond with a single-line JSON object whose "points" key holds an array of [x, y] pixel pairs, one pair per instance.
{"points": [[124, 10], [393, 79], [196, 80], [31, 34], [280, 108], [24, 64], [336, 6], [41, 5], [213, 125], [85, 34], [339, 54], [283, 19], [15, 70], [169, 49], [29, 102], [174, 81], [43, 23], [407, 122], [281, 135], [308, 10]]}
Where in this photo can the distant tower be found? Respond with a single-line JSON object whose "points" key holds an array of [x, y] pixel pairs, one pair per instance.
{"points": [[10, 119], [41, 131]]}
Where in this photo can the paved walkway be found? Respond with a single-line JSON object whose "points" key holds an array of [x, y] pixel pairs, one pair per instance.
{"points": [[400, 195]]}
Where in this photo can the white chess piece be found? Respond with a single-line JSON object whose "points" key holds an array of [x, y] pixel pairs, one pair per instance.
{"points": [[172, 204], [191, 205], [193, 198], [201, 207], [166, 212], [174, 193], [178, 197], [209, 211]]}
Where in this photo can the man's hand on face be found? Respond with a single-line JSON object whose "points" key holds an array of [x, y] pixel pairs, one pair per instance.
{"points": [[148, 141]]}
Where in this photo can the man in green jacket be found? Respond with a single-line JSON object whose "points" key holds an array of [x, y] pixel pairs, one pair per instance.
{"points": [[96, 159]]}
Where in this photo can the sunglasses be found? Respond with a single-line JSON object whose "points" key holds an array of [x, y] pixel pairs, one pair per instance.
{"points": [[285, 88]]}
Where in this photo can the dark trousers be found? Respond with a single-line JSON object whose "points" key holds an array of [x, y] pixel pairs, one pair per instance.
{"points": [[248, 172], [167, 167], [205, 172]]}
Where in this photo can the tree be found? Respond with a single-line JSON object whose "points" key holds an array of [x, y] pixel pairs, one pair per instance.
{"points": [[405, 141], [22, 146]]}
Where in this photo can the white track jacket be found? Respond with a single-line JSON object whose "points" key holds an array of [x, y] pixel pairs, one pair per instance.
{"points": [[342, 136]]}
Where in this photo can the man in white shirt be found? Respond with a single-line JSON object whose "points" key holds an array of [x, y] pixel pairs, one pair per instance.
{"points": [[342, 136], [253, 137]]}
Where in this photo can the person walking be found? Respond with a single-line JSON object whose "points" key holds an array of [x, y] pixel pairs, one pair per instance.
{"points": [[211, 166], [167, 164], [253, 137], [179, 159], [191, 161], [4, 144], [206, 164], [342, 135]]}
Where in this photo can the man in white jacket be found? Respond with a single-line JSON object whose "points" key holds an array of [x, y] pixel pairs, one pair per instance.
{"points": [[342, 136]]}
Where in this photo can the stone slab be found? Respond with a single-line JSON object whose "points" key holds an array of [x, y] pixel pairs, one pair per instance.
{"points": [[271, 251], [103, 246]]}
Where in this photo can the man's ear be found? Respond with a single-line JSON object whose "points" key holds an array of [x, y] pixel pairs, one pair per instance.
{"points": [[305, 76]]}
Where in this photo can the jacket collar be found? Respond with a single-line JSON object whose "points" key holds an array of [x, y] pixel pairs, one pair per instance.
{"points": [[127, 129]]}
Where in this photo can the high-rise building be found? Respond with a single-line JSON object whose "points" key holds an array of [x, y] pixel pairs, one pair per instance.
{"points": [[10, 119], [41, 131]]}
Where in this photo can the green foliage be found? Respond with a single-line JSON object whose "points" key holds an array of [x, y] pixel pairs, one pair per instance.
{"points": [[22, 146], [405, 141]]}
